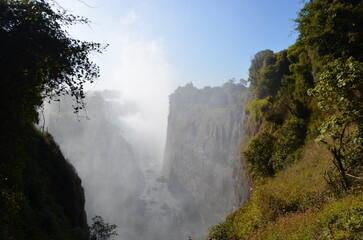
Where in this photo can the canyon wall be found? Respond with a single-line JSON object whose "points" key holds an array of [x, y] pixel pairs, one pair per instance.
{"points": [[111, 171], [202, 165]]}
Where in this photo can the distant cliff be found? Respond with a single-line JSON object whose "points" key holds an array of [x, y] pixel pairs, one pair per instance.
{"points": [[201, 162]]}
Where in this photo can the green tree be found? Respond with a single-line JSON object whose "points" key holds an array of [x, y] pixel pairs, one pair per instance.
{"points": [[331, 29], [39, 59], [339, 93], [258, 155], [256, 64], [290, 137], [266, 72]]}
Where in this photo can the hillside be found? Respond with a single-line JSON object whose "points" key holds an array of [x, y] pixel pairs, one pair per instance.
{"points": [[43, 197], [304, 131]]}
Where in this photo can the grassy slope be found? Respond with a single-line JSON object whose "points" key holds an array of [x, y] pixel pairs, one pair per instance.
{"points": [[312, 89], [297, 204]]}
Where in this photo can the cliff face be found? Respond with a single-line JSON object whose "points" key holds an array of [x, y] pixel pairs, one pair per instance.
{"points": [[105, 160], [201, 162]]}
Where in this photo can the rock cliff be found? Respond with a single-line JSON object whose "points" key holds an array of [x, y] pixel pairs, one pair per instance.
{"points": [[95, 144], [201, 161]]}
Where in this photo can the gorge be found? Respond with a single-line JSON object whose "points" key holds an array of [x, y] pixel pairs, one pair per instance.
{"points": [[193, 185], [277, 156]]}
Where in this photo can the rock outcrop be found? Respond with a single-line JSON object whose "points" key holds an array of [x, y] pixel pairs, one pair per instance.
{"points": [[201, 162]]}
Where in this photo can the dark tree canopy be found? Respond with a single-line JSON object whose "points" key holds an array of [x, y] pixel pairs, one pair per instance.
{"points": [[332, 29], [266, 71], [39, 59]]}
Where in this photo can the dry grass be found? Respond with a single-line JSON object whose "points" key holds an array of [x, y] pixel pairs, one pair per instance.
{"points": [[299, 187]]}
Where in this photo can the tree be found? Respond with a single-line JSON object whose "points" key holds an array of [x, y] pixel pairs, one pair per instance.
{"points": [[331, 33], [331, 29], [339, 93], [259, 153], [39, 59], [101, 230], [256, 65], [266, 72]]}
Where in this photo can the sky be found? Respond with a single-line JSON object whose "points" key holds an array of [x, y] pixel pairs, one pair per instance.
{"points": [[157, 45], [169, 43]]}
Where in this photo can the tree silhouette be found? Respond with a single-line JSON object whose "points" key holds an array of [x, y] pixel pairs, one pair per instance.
{"points": [[101, 230], [39, 59]]}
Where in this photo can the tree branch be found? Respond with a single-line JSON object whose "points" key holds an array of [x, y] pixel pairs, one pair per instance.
{"points": [[86, 4], [360, 178]]}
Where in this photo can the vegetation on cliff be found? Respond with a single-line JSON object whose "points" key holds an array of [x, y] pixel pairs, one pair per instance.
{"points": [[304, 142], [41, 196]]}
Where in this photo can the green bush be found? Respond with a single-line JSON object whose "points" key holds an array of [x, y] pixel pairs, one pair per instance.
{"points": [[258, 155], [289, 139]]}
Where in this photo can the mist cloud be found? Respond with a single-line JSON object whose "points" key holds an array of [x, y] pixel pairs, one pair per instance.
{"points": [[133, 115]]}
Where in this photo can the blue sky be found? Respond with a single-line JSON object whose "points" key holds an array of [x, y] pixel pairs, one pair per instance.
{"points": [[213, 41], [206, 42], [158, 45]]}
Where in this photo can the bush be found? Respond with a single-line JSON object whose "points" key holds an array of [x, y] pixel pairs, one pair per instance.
{"points": [[258, 155], [290, 138]]}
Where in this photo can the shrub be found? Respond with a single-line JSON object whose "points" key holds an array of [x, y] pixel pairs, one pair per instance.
{"points": [[290, 138], [258, 155]]}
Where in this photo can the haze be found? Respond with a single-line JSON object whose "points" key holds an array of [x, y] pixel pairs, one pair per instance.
{"points": [[154, 47]]}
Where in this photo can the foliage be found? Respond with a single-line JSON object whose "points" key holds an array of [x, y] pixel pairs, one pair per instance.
{"points": [[289, 139], [274, 110], [47, 199], [340, 219], [219, 231], [340, 90], [296, 204], [306, 189], [293, 93], [259, 153], [268, 153], [100, 230], [265, 78], [255, 110], [297, 188], [40, 58], [41, 195], [256, 65], [331, 29]]}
